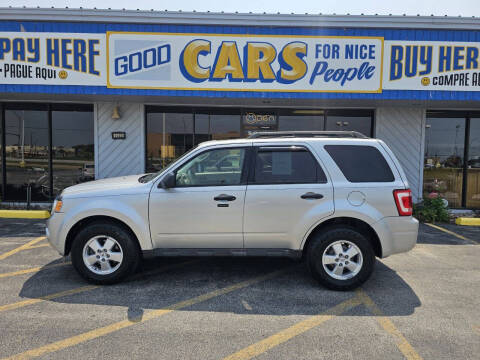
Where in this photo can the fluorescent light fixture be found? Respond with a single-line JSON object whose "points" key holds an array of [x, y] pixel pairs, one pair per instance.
{"points": [[310, 112]]}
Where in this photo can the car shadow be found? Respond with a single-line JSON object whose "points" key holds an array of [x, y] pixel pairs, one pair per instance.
{"points": [[163, 282]]}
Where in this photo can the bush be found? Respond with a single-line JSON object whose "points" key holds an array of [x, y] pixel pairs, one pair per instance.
{"points": [[431, 210]]}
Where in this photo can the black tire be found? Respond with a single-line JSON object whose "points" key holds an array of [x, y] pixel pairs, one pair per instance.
{"points": [[322, 240], [129, 246]]}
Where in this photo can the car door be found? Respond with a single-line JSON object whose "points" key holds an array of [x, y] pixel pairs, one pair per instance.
{"points": [[205, 207], [288, 192]]}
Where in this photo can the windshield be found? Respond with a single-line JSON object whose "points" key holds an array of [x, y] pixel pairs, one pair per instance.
{"points": [[148, 177]]}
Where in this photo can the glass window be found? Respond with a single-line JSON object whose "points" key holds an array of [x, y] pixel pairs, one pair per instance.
{"points": [[27, 153], [360, 163], [216, 127], [300, 123], [72, 148], [473, 165], [287, 166], [258, 121], [169, 135], [351, 120], [443, 164], [1, 155], [219, 167], [332, 120]]}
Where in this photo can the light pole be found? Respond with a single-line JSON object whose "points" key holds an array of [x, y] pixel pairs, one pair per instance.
{"points": [[457, 127], [427, 136]]}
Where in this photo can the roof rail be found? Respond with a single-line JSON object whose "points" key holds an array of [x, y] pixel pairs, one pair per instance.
{"points": [[328, 134]]}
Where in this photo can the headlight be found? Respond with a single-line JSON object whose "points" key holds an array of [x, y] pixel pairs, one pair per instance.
{"points": [[57, 204]]}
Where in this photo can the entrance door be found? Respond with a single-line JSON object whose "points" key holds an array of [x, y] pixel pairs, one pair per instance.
{"points": [[444, 159], [473, 165], [205, 208], [288, 193]]}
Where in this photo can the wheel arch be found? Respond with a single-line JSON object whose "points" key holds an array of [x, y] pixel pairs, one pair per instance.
{"points": [[357, 224], [75, 229]]}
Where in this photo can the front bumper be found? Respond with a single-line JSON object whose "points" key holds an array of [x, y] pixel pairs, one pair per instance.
{"points": [[53, 230], [397, 234]]}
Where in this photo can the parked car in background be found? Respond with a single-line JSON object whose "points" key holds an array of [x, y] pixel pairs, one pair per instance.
{"points": [[88, 171]]}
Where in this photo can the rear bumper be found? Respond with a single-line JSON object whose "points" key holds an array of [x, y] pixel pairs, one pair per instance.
{"points": [[397, 234]]}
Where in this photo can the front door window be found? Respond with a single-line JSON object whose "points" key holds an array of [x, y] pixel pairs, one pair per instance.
{"points": [[219, 167]]}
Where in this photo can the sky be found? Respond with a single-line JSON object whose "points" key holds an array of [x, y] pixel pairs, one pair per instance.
{"points": [[368, 7]]}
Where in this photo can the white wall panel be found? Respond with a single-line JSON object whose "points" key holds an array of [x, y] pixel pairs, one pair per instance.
{"points": [[119, 157], [402, 129]]}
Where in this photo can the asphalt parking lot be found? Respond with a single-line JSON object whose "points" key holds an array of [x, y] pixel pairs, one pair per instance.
{"points": [[423, 304]]}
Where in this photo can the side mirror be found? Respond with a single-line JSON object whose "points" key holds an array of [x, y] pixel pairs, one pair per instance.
{"points": [[168, 181]]}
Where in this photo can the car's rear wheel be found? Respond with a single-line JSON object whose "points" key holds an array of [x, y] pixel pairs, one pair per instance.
{"points": [[105, 253], [340, 258]]}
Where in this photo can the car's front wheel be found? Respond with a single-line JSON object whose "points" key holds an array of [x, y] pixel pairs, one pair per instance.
{"points": [[341, 258], [104, 253]]}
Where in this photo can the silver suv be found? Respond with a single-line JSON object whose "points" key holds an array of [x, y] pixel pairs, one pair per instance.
{"points": [[337, 200]]}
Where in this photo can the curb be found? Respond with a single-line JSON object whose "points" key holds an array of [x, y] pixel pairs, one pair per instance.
{"points": [[25, 214], [467, 221]]}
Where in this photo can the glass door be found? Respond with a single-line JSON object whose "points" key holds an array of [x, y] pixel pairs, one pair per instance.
{"points": [[27, 154], [473, 165], [216, 126], [169, 135], [444, 159], [73, 159]]}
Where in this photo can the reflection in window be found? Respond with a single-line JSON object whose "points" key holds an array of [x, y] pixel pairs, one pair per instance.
{"points": [[473, 165], [362, 124], [216, 127], [330, 120], [300, 123], [26, 145], [169, 135], [443, 166], [1, 159], [72, 148]]}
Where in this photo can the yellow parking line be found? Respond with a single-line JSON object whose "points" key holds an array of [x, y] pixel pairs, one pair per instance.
{"points": [[294, 330], [361, 298], [38, 246], [96, 333], [20, 248], [24, 303], [32, 270], [452, 233], [402, 343]]}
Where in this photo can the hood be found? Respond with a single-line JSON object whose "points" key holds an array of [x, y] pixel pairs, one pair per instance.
{"points": [[122, 185]]}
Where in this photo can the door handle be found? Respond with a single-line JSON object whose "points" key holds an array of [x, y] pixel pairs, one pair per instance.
{"points": [[311, 195], [224, 197]]}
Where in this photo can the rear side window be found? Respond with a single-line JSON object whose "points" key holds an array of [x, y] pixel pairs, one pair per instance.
{"points": [[289, 165], [360, 163]]}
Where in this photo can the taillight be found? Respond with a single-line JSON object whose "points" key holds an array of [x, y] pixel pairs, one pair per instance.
{"points": [[403, 200]]}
